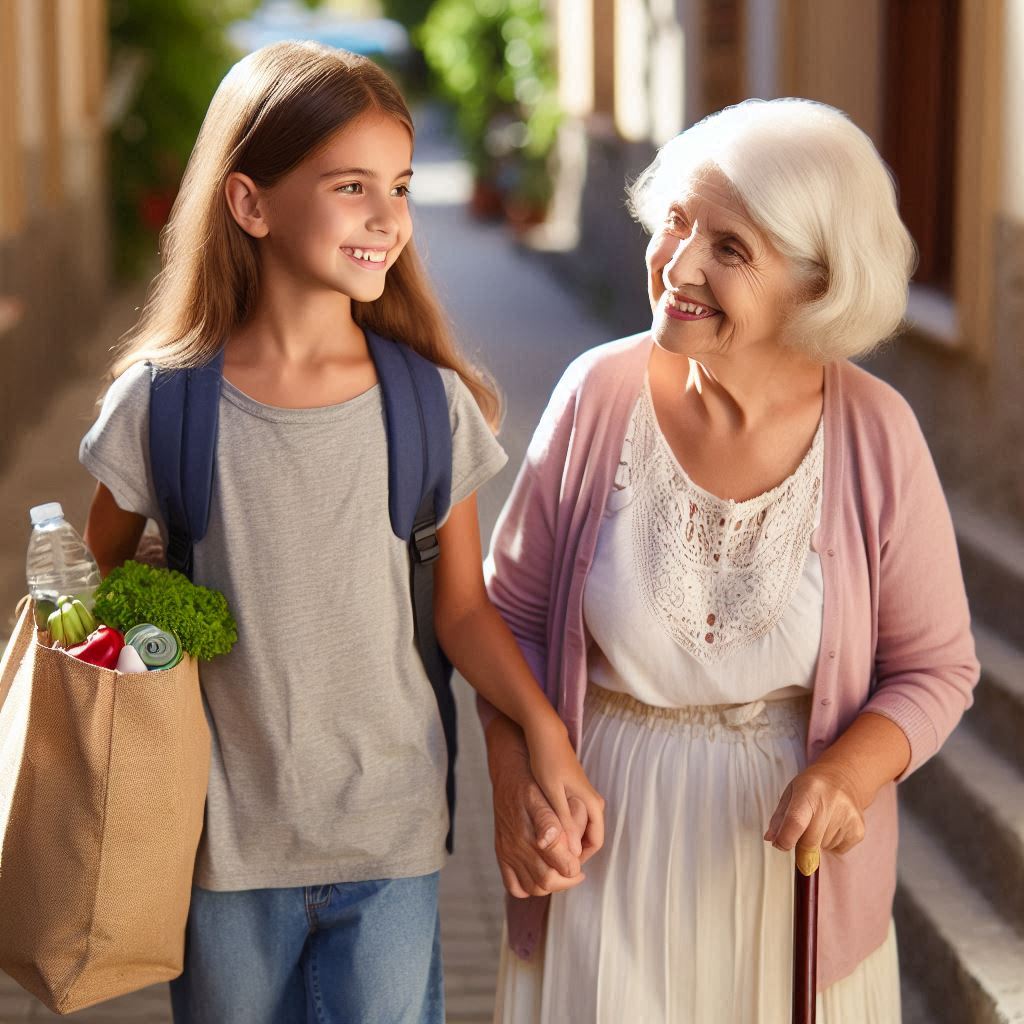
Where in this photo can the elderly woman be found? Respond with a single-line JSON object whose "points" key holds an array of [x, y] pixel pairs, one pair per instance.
{"points": [[730, 563]]}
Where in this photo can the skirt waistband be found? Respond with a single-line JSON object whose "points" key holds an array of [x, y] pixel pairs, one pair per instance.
{"points": [[757, 715]]}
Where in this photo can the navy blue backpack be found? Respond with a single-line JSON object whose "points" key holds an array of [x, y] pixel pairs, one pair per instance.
{"points": [[183, 421]]}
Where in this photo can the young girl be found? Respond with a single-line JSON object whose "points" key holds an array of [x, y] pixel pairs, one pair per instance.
{"points": [[316, 882]]}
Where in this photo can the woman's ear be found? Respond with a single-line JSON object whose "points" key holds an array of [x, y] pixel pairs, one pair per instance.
{"points": [[246, 203]]}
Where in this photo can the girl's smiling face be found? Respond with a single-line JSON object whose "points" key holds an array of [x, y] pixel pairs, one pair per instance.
{"points": [[341, 218], [715, 281]]}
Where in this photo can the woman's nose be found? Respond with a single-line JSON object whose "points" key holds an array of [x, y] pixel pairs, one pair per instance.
{"points": [[686, 265]]}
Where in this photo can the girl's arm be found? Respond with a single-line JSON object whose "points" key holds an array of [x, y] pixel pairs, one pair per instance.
{"points": [[111, 533], [481, 646]]}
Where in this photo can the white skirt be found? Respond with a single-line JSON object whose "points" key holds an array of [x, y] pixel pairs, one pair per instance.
{"points": [[686, 915]]}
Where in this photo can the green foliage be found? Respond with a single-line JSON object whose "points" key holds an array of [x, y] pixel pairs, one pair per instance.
{"points": [[182, 53], [494, 61], [135, 593], [410, 13]]}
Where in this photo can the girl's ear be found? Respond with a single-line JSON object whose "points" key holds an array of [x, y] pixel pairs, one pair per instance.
{"points": [[246, 204]]}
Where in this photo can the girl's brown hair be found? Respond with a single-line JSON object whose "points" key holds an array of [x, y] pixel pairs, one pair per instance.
{"points": [[272, 110]]}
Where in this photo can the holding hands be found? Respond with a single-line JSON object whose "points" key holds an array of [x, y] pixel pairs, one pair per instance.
{"points": [[538, 852]]}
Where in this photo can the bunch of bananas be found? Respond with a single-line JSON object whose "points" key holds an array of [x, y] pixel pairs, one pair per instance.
{"points": [[71, 623]]}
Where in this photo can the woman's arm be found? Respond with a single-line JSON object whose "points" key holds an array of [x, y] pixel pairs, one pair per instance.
{"points": [[925, 662], [481, 646], [925, 665], [111, 534]]}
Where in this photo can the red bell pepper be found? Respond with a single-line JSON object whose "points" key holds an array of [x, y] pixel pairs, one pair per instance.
{"points": [[101, 647]]}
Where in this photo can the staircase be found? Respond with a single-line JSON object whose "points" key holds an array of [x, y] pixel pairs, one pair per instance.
{"points": [[960, 901]]}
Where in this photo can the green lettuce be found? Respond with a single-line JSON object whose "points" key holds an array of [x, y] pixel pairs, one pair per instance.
{"points": [[199, 617]]}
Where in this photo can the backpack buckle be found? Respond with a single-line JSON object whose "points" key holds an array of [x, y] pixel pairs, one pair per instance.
{"points": [[424, 542], [178, 553]]}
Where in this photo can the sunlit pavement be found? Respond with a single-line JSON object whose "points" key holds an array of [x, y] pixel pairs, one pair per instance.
{"points": [[513, 317]]}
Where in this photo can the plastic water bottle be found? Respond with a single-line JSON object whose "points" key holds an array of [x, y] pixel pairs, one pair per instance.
{"points": [[58, 562]]}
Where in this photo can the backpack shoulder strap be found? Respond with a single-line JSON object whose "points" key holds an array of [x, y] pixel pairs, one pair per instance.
{"points": [[418, 429], [183, 419], [419, 494]]}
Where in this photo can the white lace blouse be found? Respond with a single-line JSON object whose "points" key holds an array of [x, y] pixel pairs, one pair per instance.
{"points": [[694, 599]]}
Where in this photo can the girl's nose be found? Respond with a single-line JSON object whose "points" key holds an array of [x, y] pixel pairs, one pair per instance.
{"points": [[686, 267], [382, 219]]}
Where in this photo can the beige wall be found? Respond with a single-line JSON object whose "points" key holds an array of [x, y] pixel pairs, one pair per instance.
{"points": [[12, 183], [575, 34], [29, 63], [54, 213], [838, 67], [1013, 120], [762, 57]]}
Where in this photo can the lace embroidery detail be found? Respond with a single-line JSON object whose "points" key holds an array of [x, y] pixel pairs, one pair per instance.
{"points": [[716, 574]]}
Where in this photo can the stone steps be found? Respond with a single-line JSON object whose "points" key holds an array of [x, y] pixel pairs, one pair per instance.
{"points": [[960, 900], [963, 961], [972, 800], [998, 712], [992, 558]]}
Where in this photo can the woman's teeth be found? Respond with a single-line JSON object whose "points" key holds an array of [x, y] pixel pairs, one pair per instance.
{"points": [[370, 255], [688, 307]]}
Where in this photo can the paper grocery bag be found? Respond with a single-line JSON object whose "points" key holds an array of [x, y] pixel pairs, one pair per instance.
{"points": [[102, 788]]}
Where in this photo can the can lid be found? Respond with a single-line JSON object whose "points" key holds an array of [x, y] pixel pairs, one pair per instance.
{"points": [[44, 513]]}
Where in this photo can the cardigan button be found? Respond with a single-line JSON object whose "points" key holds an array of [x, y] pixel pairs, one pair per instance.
{"points": [[825, 701], [831, 553], [831, 654]]}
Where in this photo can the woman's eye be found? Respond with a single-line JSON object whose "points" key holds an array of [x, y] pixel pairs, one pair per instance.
{"points": [[353, 188], [730, 253], [402, 191]]}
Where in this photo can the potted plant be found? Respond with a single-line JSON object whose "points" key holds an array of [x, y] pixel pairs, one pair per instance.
{"points": [[493, 60]]}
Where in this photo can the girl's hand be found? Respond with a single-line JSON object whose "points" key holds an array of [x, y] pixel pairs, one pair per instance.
{"points": [[561, 777], [819, 810]]}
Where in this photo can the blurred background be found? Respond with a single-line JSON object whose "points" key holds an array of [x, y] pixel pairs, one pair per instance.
{"points": [[532, 115]]}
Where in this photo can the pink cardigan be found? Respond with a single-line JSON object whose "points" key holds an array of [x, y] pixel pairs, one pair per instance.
{"points": [[896, 634]]}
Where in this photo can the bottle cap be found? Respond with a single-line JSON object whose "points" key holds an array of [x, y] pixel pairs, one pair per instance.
{"points": [[43, 513]]}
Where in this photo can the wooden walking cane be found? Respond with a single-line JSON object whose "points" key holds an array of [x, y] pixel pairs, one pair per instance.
{"points": [[805, 936]]}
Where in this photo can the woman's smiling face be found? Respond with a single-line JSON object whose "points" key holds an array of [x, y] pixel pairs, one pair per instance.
{"points": [[716, 283]]}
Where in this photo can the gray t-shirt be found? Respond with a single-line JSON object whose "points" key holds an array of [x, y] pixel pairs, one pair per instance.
{"points": [[329, 760]]}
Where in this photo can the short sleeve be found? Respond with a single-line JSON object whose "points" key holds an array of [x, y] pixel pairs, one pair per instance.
{"points": [[476, 455], [116, 448]]}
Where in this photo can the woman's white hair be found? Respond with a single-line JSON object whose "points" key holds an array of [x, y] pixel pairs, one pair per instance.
{"points": [[815, 184]]}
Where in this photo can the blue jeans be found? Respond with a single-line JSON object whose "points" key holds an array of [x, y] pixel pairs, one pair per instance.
{"points": [[353, 953]]}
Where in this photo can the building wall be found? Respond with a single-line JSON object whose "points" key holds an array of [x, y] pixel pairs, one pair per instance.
{"points": [[1013, 96], [53, 200]]}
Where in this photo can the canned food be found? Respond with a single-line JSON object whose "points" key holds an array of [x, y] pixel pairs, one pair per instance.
{"points": [[157, 648]]}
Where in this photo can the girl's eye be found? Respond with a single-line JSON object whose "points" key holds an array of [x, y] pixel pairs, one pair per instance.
{"points": [[402, 191], [353, 188]]}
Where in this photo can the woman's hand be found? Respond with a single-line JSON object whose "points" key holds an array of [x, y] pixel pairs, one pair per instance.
{"points": [[534, 852], [823, 807], [818, 811], [561, 778]]}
